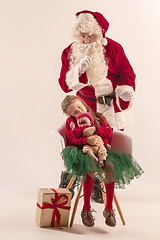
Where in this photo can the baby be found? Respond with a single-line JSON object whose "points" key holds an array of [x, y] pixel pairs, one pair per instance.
{"points": [[86, 127]]}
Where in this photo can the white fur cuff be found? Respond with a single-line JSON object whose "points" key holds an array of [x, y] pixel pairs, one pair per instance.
{"points": [[72, 79], [121, 89]]}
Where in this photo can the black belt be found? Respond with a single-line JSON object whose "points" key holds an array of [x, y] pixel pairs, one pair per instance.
{"points": [[101, 99]]}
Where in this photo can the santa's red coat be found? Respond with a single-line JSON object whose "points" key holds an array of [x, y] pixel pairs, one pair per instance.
{"points": [[120, 72]]}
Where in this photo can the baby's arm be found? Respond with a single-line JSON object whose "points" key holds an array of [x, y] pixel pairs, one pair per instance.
{"points": [[71, 139], [89, 131]]}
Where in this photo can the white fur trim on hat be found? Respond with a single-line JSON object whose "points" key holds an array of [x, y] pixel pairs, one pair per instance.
{"points": [[104, 41]]}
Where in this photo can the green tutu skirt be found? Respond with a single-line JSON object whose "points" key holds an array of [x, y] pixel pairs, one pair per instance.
{"points": [[119, 167]]}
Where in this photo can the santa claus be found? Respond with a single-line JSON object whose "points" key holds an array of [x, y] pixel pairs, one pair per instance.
{"points": [[98, 69]]}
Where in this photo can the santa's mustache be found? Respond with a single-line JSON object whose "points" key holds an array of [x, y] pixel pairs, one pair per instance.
{"points": [[88, 48], [98, 67]]}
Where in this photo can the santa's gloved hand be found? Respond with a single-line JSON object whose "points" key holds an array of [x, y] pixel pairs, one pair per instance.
{"points": [[126, 95], [84, 63]]}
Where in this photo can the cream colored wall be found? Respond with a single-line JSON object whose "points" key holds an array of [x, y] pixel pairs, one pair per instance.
{"points": [[33, 34]]}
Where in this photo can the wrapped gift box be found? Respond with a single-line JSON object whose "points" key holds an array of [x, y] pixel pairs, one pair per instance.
{"points": [[53, 207]]}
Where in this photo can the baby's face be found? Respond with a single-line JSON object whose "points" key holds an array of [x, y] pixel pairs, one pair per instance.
{"points": [[83, 121]]}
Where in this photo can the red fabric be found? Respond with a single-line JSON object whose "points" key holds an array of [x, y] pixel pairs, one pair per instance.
{"points": [[105, 132], [87, 190], [71, 140], [87, 114], [78, 132], [109, 195], [120, 72]]}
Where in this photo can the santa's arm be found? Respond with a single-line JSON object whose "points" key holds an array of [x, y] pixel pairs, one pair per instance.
{"points": [[126, 77], [125, 73], [70, 79], [64, 70]]}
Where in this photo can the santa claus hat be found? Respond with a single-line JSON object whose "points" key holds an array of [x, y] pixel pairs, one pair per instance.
{"points": [[103, 23], [88, 115]]}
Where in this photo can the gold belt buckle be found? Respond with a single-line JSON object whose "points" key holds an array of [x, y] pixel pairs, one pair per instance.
{"points": [[104, 101]]}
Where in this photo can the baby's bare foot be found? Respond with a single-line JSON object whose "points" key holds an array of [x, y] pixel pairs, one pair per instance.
{"points": [[101, 163]]}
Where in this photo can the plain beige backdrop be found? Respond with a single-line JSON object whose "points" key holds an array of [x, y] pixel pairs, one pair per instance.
{"points": [[33, 34]]}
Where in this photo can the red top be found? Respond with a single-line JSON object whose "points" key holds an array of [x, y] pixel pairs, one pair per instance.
{"points": [[105, 132]]}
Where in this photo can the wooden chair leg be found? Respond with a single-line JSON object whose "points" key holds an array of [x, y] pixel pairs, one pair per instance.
{"points": [[119, 209], [103, 193], [71, 182], [116, 202], [75, 205], [104, 200]]}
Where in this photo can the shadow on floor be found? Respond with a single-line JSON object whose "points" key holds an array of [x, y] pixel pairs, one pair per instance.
{"points": [[79, 229]]}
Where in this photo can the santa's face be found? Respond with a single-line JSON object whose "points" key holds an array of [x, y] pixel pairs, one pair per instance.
{"points": [[86, 38], [83, 121]]}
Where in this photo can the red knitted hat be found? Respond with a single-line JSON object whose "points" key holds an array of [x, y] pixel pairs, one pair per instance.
{"points": [[88, 115], [104, 24]]}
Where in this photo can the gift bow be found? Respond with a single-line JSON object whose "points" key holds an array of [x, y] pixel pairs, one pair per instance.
{"points": [[55, 205]]}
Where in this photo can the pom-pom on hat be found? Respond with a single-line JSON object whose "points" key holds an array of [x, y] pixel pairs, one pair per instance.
{"points": [[104, 24], [88, 115]]}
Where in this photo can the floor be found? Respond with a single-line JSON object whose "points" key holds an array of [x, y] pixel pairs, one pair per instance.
{"points": [[141, 212]]}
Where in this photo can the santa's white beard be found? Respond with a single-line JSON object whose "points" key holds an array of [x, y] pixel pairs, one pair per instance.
{"points": [[98, 68]]}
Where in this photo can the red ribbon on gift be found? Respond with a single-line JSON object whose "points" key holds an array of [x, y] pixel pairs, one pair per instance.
{"points": [[55, 205]]}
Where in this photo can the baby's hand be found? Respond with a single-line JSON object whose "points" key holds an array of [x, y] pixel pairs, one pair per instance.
{"points": [[89, 131], [108, 146]]}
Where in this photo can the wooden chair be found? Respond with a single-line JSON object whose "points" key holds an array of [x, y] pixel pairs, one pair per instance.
{"points": [[120, 141]]}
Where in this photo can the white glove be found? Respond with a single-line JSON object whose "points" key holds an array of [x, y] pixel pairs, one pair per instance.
{"points": [[84, 63], [126, 95]]}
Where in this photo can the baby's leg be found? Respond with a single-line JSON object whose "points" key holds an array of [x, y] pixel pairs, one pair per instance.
{"points": [[88, 149], [102, 154]]}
